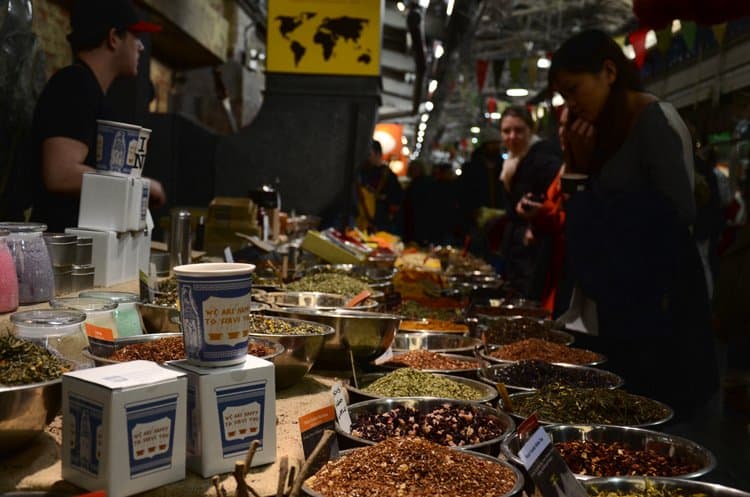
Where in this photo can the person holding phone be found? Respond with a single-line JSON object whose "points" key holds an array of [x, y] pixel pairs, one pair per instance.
{"points": [[639, 281]]}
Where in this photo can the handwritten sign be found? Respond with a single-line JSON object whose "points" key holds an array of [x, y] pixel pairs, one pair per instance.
{"points": [[339, 405]]}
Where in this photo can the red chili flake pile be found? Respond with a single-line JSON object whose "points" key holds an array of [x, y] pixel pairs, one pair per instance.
{"points": [[411, 467], [617, 459], [542, 350], [426, 359], [172, 349]]}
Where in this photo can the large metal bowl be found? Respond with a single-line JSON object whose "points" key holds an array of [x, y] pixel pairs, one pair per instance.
{"points": [[487, 374], [366, 334], [425, 405], [504, 307], [636, 485], [158, 318], [368, 274], [484, 353], [426, 325], [515, 396], [516, 490], [635, 438], [465, 372], [358, 394], [435, 342], [25, 410], [477, 325], [311, 300], [300, 351]]}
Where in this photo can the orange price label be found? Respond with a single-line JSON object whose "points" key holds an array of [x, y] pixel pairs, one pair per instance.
{"points": [[316, 418], [99, 332]]}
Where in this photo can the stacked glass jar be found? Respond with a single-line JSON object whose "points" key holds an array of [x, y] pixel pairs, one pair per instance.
{"points": [[32, 261]]}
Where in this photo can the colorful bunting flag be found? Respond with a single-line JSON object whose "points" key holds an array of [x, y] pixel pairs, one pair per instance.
{"points": [[638, 40]]}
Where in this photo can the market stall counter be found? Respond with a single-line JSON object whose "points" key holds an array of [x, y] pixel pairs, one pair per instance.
{"points": [[38, 467]]}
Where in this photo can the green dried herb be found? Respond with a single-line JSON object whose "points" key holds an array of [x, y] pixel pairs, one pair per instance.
{"points": [[414, 310], [650, 489], [336, 283], [22, 363], [270, 326], [560, 404], [408, 382]]}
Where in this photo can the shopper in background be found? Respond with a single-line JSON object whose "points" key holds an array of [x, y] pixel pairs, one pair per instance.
{"points": [[379, 194], [527, 172], [639, 280], [105, 46], [421, 225]]}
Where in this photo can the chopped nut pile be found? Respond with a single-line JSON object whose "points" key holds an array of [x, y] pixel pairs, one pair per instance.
{"points": [[411, 467], [446, 425], [426, 359]]}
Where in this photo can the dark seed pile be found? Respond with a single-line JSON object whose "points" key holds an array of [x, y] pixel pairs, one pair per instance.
{"points": [[536, 374], [505, 331]]}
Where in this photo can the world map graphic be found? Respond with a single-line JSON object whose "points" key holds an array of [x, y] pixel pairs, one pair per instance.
{"points": [[328, 34]]}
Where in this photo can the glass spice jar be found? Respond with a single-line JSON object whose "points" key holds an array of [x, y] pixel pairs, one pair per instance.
{"points": [[8, 277], [58, 330], [126, 315], [33, 266], [100, 319]]}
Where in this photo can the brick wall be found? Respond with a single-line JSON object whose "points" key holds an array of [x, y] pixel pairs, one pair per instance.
{"points": [[50, 24]]}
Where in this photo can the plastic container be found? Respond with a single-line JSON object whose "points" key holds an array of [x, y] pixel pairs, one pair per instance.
{"points": [[33, 266], [8, 278], [60, 331], [100, 317], [83, 277], [126, 314]]}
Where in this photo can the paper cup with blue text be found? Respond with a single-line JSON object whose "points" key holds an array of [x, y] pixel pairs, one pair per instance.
{"points": [[215, 304], [140, 152], [116, 146]]}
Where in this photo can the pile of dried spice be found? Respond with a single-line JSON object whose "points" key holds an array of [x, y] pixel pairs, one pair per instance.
{"points": [[433, 325], [617, 459], [408, 382], [453, 426], [650, 489], [272, 326], [503, 331], [336, 283], [560, 404], [426, 359], [536, 374], [415, 311], [542, 350], [22, 363], [411, 467], [172, 349]]}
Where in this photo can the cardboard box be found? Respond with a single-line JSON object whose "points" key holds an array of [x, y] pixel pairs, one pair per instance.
{"points": [[228, 408], [105, 202], [317, 244], [124, 427]]}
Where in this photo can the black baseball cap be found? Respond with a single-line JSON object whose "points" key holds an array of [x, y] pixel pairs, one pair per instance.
{"points": [[93, 18]]}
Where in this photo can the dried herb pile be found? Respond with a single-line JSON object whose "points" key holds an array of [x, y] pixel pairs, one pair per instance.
{"points": [[542, 350], [426, 359], [505, 331], [414, 310], [23, 362], [270, 326], [336, 283], [536, 374], [408, 382]]}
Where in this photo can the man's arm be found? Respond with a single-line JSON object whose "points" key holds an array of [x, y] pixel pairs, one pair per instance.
{"points": [[62, 164]]}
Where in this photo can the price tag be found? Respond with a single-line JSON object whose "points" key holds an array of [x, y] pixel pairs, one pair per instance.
{"points": [[228, 255], [339, 404], [387, 356], [311, 427], [533, 448]]}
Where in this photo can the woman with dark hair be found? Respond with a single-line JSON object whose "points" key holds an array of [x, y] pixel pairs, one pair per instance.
{"points": [[531, 165], [639, 280]]}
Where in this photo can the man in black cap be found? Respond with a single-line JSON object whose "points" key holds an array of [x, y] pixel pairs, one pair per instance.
{"points": [[105, 46]]}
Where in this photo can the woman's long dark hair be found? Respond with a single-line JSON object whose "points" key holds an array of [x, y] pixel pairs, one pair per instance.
{"points": [[586, 52]]}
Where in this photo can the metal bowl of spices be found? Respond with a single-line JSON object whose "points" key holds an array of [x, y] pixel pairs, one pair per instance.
{"points": [[158, 318], [437, 470], [592, 451], [453, 423], [435, 342], [408, 382], [528, 376], [540, 350], [366, 334], [433, 326], [633, 486], [503, 307], [508, 329], [434, 362], [555, 404], [368, 274], [302, 342], [310, 300]]}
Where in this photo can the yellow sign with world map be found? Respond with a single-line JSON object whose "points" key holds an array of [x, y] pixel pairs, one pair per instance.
{"points": [[339, 37]]}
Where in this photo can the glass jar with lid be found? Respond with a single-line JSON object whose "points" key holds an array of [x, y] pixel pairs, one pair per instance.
{"points": [[100, 319], [127, 317], [58, 330], [32, 261], [8, 277]]}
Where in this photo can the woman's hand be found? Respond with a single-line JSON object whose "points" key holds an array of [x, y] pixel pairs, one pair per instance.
{"points": [[581, 140], [527, 208]]}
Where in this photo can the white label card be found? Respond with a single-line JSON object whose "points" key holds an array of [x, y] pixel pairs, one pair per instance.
{"points": [[534, 447], [228, 255], [387, 356], [339, 405]]}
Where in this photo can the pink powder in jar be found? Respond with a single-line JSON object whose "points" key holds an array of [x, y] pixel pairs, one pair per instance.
{"points": [[8, 280]]}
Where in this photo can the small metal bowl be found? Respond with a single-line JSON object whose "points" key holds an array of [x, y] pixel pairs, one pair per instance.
{"points": [[471, 373], [158, 318], [25, 411], [360, 395], [516, 490], [502, 307], [633, 485], [487, 375], [300, 351], [634, 438], [435, 342], [484, 353], [425, 405], [670, 412]]}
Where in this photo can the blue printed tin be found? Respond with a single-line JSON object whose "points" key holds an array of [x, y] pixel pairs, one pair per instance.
{"points": [[116, 147], [215, 302]]}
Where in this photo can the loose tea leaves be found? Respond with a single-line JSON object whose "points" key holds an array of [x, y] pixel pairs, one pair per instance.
{"points": [[411, 467], [651, 489], [408, 382], [335, 283], [22, 362], [508, 330], [536, 374], [172, 349], [560, 404], [414, 310], [542, 350], [271, 326]]}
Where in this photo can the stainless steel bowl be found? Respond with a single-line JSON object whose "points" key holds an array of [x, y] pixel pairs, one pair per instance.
{"points": [[484, 353], [465, 372], [424, 326], [502, 307], [311, 300], [670, 412], [489, 394], [516, 490], [366, 334], [368, 274], [25, 410], [158, 318], [478, 324], [635, 485], [487, 374], [425, 405], [300, 351], [635, 438], [435, 342]]}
